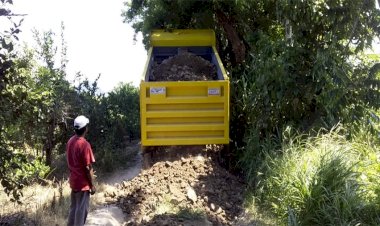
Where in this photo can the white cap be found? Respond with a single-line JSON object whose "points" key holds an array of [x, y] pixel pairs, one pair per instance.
{"points": [[80, 122]]}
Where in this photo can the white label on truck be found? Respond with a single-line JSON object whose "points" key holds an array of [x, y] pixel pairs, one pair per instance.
{"points": [[157, 90], [214, 91]]}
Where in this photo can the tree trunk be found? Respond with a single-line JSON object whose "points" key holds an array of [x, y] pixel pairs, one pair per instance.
{"points": [[238, 47], [48, 149], [49, 143]]}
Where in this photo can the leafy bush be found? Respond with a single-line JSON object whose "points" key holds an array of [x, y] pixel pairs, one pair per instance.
{"points": [[123, 113], [324, 180], [284, 85], [24, 173], [32, 170]]}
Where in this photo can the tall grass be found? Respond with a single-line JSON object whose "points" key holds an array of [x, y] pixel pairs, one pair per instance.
{"points": [[41, 205], [321, 180], [44, 205]]}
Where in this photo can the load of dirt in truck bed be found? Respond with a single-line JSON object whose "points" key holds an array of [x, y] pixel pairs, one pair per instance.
{"points": [[183, 67], [193, 190]]}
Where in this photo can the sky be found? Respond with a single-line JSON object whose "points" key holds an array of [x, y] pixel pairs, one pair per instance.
{"points": [[98, 41]]}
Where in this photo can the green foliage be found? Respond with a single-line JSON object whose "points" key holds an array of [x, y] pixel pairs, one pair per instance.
{"points": [[90, 102], [123, 108], [35, 99], [108, 159], [114, 120], [11, 97], [231, 20], [21, 172], [305, 72], [281, 90], [9, 162], [38, 106], [147, 15], [326, 180], [34, 169], [52, 91], [190, 214]]}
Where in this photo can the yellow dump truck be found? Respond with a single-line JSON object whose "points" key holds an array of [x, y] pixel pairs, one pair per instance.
{"points": [[184, 112]]}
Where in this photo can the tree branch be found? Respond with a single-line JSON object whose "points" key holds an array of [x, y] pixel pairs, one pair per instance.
{"points": [[238, 47], [355, 25]]}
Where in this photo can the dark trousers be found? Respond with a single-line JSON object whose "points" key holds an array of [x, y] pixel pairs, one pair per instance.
{"points": [[80, 201]]}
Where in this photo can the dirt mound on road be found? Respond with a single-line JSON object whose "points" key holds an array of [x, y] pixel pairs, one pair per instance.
{"points": [[188, 191], [183, 67]]}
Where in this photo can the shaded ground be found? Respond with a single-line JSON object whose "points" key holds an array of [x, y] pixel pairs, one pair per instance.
{"points": [[124, 174], [187, 190]]}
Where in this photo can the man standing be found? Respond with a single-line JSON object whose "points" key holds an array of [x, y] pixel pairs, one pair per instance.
{"points": [[79, 160]]}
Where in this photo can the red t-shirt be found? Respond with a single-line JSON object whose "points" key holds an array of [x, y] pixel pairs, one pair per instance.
{"points": [[79, 155]]}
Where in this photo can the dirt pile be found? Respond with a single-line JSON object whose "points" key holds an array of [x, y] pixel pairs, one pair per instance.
{"points": [[183, 67], [187, 191]]}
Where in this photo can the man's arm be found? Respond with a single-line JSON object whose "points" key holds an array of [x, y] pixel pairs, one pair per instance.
{"points": [[91, 177]]}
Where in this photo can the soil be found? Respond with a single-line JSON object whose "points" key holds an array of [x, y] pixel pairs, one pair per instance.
{"points": [[183, 67], [201, 190]]}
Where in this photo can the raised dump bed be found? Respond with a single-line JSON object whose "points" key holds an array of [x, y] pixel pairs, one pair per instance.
{"points": [[177, 112]]}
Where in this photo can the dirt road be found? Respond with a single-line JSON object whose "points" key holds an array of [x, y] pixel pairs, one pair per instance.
{"points": [[107, 214]]}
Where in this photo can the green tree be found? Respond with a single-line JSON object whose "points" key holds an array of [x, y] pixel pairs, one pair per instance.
{"points": [[298, 63], [123, 108], [11, 99], [31, 106], [52, 92], [38, 106], [16, 168], [92, 103], [113, 118], [182, 14]]}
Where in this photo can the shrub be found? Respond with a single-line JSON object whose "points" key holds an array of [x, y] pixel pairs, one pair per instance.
{"points": [[322, 180]]}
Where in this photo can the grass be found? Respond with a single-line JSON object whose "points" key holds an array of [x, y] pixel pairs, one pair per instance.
{"points": [[168, 206], [109, 160], [165, 206], [41, 205], [45, 205], [190, 214], [321, 180], [255, 215]]}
